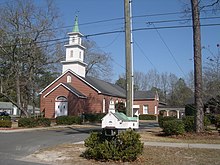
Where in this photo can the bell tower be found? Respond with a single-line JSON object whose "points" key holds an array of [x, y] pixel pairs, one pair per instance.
{"points": [[75, 52]]}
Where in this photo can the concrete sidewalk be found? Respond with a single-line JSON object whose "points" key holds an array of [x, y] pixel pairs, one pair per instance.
{"points": [[183, 145], [177, 145]]}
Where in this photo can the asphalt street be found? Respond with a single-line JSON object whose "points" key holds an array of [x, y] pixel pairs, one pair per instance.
{"points": [[16, 145]]}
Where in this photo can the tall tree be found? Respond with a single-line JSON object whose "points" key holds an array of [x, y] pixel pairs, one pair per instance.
{"points": [[25, 53], [180, 94], [98, 62], [199, 119]]}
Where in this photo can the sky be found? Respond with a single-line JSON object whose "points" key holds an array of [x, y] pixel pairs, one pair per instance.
{"points": [[154, 47]]}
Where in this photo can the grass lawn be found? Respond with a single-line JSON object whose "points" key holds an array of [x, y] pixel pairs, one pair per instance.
{"points": [[157, 136], [70, 154]]}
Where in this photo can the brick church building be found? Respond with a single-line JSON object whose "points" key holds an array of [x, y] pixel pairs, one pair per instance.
{"points": [[74, 93]]}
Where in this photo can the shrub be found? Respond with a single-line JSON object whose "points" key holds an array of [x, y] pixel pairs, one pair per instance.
{"points": [[161, 119], [44, 122], [217, 121], [173, 127], [190, 110], [68, 120], [5, 123], [94, 117], [125, 146], [147, 117], [5, 118], [189, 123], [27, 122], [211, 117]]}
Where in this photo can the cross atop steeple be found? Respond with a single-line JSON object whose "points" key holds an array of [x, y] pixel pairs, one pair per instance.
{"points": [[76, 26]]}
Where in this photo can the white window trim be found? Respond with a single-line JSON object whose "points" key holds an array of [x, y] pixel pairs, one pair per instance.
{"points": [[144, 110]]}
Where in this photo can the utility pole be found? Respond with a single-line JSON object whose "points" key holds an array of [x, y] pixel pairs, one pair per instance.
{"points": [[129, 85]]}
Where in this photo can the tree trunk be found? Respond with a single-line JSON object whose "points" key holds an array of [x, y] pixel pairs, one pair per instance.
{"points": [[199, 118], [18, 92]]}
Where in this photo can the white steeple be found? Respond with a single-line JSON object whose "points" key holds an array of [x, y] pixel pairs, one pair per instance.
{"points": [[75, 52]]}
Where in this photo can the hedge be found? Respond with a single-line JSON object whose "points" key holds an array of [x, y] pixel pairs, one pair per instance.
{"points": [[94, 117], [5, 123], [5, 118], [31, 122], [68, 120], [147, 117]]}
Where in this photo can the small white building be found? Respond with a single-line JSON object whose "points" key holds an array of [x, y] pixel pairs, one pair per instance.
{"points": [[114, 121], [119, 120]]}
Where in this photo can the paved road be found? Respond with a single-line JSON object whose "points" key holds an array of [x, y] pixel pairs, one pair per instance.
{"points": [[15, 145]]}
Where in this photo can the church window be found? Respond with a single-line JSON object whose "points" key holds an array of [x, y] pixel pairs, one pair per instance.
{"points": [[68, 79], [103, 105], [61, 98], [80, 56], [71, 53]]}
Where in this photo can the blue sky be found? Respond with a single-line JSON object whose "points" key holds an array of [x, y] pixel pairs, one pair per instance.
{"points": [[166, 50]]}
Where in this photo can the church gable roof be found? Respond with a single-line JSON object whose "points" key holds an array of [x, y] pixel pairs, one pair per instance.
{"points": [[106, 87], [102, 87], [69, 88]]}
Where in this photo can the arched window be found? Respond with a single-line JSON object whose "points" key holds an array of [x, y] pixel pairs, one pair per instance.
{"points": [[68, 79], [61, 98]]}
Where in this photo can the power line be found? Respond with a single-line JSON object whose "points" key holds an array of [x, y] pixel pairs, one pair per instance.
{"points": [[172, 55], [136, 43], [120, 31]]}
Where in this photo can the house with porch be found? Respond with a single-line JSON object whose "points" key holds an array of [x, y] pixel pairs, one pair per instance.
{"points": [[75, 93]]}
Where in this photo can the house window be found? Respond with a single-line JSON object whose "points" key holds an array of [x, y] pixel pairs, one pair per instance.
{"points": [[145, 109], [68, 79], [103, 106], [71, 53]]}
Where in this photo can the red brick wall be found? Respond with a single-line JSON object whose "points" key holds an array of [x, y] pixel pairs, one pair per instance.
{"points": [[92, 104], [151, 105]]}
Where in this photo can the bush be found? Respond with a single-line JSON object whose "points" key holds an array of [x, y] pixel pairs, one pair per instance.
{"points": [[217, 121], [94, 117], [27, 122], [5, 123], [211, 117], [5, 118], [189, 123], [125, 146], [68, 120], [161, 119], [147, 117], [173, 127], [44, 122]]}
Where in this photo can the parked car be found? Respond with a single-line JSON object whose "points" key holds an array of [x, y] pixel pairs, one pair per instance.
{"points": [[4, 113]]}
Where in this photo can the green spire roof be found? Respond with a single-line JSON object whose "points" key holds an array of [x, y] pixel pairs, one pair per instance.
{"points": [[76, 27]]}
